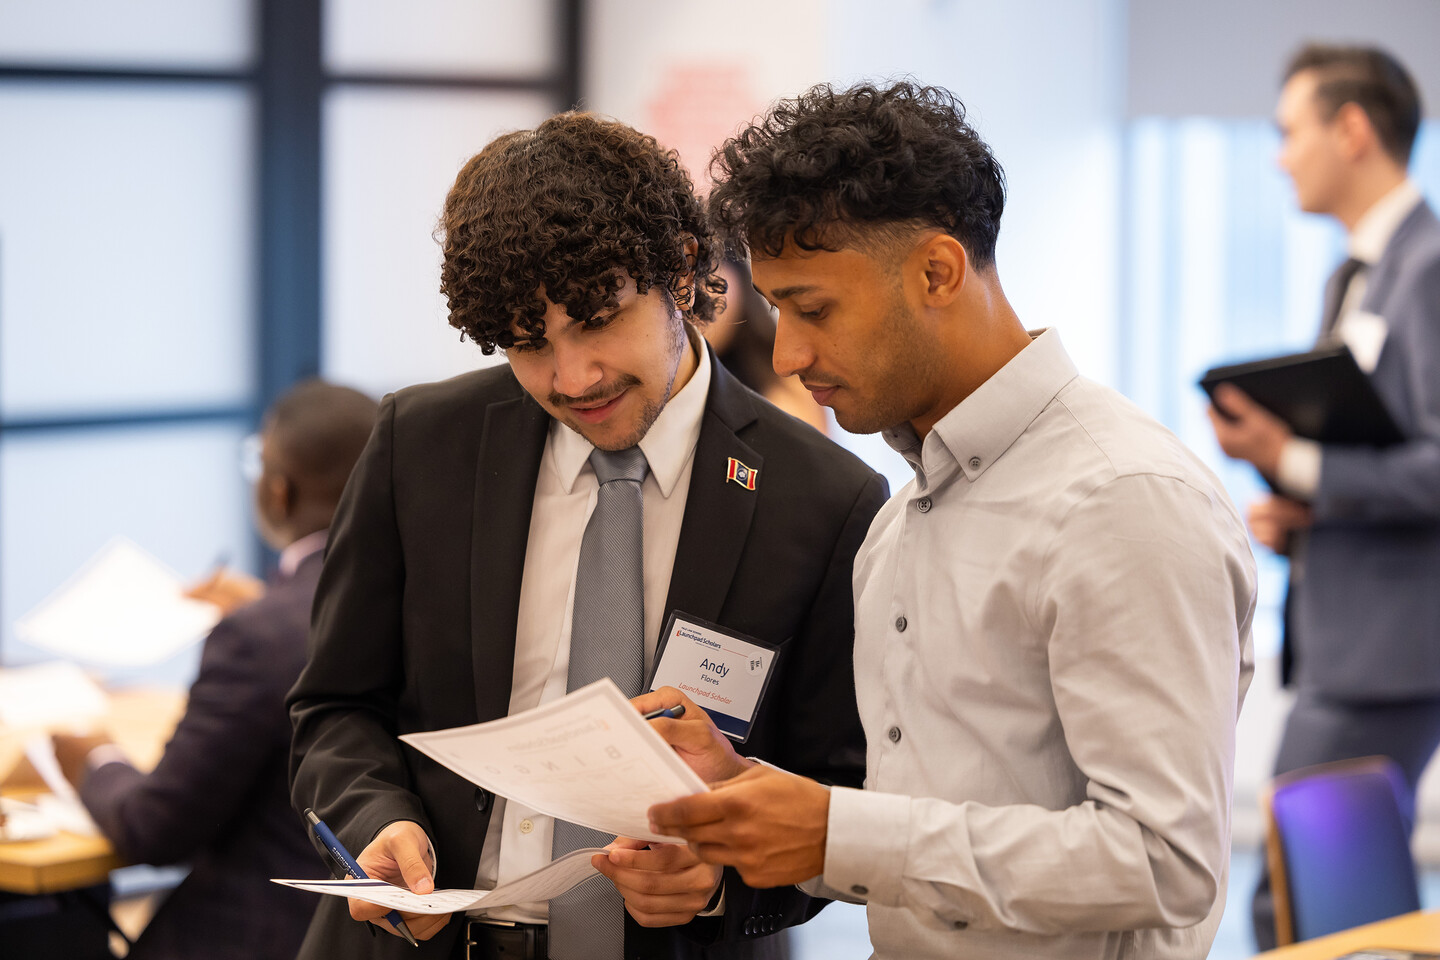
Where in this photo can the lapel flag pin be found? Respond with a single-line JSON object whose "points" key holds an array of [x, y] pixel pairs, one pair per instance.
{"points": [[741, 474]]}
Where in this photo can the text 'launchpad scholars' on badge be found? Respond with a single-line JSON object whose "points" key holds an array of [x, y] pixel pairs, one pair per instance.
{"points": [[722, 671]]}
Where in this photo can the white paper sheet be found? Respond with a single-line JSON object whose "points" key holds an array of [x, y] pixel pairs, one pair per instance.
{"points": [[588, 758], [51, 696], [549, 881], [61, 807], [124, 607]]}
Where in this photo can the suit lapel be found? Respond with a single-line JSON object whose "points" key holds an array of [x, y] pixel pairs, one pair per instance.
{"points": [[509, 462], [717, 511]]}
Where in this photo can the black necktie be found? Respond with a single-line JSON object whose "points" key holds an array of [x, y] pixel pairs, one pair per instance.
{"points": [[1335, 288]]}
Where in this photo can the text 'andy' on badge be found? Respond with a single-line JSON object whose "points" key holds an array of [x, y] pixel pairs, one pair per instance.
{"points": [[723, 671]]}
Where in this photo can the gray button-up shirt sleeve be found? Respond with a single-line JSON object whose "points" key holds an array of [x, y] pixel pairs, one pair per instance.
{"points": [[1053, 644]]}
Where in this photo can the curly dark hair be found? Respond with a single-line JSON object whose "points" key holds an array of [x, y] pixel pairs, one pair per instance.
{"points": [[567, 210], [819, 166]]}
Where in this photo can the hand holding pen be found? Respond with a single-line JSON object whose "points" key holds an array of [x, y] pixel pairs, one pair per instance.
{"points": [[399, 854]]}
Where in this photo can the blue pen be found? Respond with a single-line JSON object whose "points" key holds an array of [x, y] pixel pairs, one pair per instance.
{"points": [[348, 864], [673, 713]]}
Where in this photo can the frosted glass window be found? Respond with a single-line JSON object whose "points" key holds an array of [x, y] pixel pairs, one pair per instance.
{"points": [[390, 158], [126, 276], [213, 34], [174, 490], [439, 37]]}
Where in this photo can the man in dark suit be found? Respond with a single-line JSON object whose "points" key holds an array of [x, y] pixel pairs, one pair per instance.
{"points": [[1361, 525], [218, 799], [457, 567]]}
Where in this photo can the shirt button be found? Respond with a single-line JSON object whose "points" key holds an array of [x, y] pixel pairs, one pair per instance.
{"points": [[923, 504], [860, 890], [900, 624], [527, 825], [974, 463], [894, 734]]}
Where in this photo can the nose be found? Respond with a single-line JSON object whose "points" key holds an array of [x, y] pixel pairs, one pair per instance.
{"points": [[576, 369], [792, 353]]}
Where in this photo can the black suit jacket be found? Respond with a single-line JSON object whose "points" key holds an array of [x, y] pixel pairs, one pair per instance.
{"points": [[414, 623], [219, 797]]}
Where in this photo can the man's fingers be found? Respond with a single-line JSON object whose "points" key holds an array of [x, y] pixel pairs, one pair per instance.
{"points": [[422, 926], [364, 910], [1233, 401], [686, 812], [415, 871], [661, 857]]}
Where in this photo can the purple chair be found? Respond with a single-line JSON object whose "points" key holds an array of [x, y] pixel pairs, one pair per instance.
{"points": [[1338, 845]]}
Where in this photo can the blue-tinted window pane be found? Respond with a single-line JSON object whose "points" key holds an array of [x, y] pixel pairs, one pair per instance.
{"points": [[1223, 267], [125, 247], [214, 34], [437, 37], [390, 158], [174, 490]]}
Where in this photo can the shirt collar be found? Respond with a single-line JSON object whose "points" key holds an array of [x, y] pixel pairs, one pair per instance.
{"points": [[667, 445], [295, 554], [1373, 231], [983, 426]]}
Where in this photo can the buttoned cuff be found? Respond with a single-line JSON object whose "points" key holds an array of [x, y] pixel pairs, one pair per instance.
{"points": [[1298, 472], [867, 839]]}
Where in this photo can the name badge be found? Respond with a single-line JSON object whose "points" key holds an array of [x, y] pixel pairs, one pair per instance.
{"points": [[722, 671]]}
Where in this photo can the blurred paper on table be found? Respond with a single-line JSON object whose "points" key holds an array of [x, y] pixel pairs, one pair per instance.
{"points": [[588, 758], [124, 608], [23, 821], [53, 696], [549, 881], [62, 806]]}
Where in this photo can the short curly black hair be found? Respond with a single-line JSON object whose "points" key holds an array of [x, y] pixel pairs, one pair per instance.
{"points": [[819, 166], [567, 210]]}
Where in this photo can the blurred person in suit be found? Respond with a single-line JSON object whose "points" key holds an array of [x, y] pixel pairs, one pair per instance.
{"points": [[218, 799], [743, 337], [1361, 525]]}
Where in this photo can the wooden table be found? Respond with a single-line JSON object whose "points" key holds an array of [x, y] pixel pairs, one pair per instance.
{"points": [[1414, 931], [141, 722]]}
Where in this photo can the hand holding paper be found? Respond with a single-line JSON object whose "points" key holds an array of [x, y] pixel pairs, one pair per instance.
{"points": [[694, 736]]}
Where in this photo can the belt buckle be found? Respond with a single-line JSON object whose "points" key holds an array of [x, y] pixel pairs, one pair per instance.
{"points": [[530, 934], [470, 942]]}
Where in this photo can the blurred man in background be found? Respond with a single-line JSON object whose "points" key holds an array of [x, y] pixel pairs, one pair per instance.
{"points": [[218, 799], [1361, 525]]}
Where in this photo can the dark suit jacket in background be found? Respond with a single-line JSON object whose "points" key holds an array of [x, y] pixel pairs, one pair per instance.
{"points": [[219, 797], [1366, 614], [414, 625]]}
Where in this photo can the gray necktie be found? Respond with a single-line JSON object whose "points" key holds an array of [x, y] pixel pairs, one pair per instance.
{"points": [[607, 639]]}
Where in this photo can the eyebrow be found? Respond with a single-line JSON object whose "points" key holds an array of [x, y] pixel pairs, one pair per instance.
{"points": [[785, 293]]}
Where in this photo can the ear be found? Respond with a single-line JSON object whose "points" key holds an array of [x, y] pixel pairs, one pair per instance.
{"points": [[278, 497], [945, 266], [685, 296], [1356, 132]]}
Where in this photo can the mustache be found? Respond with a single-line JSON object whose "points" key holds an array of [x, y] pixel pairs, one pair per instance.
{"points": [[819, 380], [600, 395]]}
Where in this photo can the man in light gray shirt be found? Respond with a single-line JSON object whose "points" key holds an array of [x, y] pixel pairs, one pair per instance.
{"points": [[1052, 620]]}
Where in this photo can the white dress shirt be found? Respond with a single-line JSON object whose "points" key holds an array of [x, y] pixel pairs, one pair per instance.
{"points": [[1052, 646], [1364, 333], [518, 841]]}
